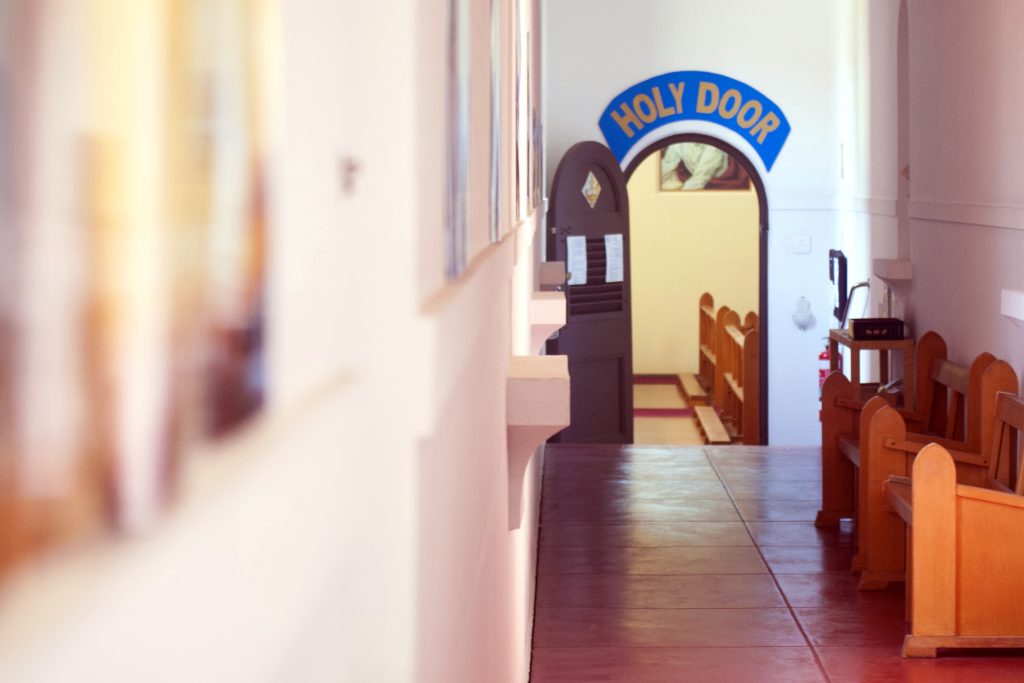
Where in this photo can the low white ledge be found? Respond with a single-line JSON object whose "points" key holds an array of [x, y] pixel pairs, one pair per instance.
{"points": [[547, 315], [893, 270], [1012, 305], [537, 407]]}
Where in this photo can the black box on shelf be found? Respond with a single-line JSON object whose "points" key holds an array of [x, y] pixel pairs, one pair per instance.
{"points": [[868, 329]]}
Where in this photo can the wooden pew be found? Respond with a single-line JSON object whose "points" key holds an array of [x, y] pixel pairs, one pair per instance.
{"points": [[698, 386], [706, 352], [841, 407], [728, 376], [723, 319], [888, 449], [966, 554], [740, 361]]}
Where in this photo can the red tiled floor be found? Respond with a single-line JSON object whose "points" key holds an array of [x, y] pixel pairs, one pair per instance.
{"points": [[747, 461], [853, 625], [568, 488], [885, 665], [608, 469], [760, 489], [800, 533], [647, 573], [693, 560], [825, 590], [645, 534], [583, 627], [631, 455], [796, 469], [688, 494], [616, 451], [810, 474], [677, 591], [619, 509], [800, 560], [741, 451], [691, 664], [778, 510]]}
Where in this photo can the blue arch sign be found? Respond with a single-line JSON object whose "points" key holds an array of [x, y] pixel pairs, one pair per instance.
{"points": [[694, 96]]}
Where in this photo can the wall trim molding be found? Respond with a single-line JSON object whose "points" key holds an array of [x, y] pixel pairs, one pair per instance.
{"points": [[987, 215], [794, 203], [871, 205], [868, 205]]}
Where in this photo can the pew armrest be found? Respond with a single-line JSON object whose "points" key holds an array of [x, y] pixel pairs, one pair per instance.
{"points": [[898, 496]]}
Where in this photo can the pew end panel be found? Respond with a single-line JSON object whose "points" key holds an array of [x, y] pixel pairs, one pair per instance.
{"points": [[881, 536], [967, 559], [720, 392], [706, 338], [931, 349], [839, 418], [752, 384]]}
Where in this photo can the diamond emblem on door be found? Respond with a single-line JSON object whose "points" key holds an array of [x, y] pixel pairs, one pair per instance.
{"points": [[591, 190]]}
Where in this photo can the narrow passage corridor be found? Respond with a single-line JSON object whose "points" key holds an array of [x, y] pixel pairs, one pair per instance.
{"points": [[662, 563]]}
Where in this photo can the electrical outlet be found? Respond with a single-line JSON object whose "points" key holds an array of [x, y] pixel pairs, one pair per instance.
{"points": [[801, 244]]}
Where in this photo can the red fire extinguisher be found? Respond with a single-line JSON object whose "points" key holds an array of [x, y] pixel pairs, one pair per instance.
{"points": [[825, 366]]}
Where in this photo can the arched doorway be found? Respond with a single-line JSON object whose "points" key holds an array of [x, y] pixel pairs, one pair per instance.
{"points": [[641, 163]]}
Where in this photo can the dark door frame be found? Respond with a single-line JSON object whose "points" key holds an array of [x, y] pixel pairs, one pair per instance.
{"points": [[762, 204]]}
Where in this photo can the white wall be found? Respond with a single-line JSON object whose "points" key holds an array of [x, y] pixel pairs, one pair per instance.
{"points": [[867, 128], [967, 161], [787, 50]]}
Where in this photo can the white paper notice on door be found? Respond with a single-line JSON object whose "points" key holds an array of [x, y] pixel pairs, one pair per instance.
{"points": [[613, 271], [576, 264]]}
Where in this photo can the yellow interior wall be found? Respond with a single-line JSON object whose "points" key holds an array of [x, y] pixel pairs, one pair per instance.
{"points": [[682, 245]]}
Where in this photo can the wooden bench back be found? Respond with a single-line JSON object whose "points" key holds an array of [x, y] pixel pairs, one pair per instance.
{"points": [[1005, 454], [930, 349], [723, 319], [952, 402], [739, 362], [751, 379], [706, 350], [998, 378]]}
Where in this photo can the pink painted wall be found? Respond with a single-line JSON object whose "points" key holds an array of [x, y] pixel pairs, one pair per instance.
{"points": [[358, 529], [474, 577], [967, 165]]}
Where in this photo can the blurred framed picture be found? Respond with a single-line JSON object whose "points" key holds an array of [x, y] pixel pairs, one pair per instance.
{"points": [[456, 219]]}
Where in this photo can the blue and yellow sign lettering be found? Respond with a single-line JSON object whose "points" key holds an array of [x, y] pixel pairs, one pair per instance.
{"points": [[698, 96]]}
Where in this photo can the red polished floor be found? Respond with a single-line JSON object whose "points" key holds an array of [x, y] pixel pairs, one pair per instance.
{"points": [[663, 563]]}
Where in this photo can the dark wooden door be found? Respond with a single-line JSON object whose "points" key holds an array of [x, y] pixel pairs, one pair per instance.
{"points": [[589, 214]]}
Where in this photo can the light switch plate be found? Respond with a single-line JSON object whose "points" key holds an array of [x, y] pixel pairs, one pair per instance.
{"points": [[801, 244]]}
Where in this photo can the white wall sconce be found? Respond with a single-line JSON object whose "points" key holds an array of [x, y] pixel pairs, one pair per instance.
{"points": [[802, 316]]}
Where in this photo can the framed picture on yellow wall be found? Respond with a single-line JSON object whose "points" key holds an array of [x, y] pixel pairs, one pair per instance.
{"points": [[691, 166]]}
